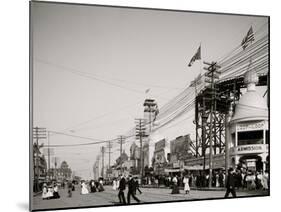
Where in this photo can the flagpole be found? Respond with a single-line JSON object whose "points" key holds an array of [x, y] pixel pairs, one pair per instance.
{"points": [[201, 66]]}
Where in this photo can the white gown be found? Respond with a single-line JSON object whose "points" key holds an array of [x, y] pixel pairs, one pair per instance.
{"points": [[84, 189], [44, 193], [186, 184], [114, 185], [50, 193]]}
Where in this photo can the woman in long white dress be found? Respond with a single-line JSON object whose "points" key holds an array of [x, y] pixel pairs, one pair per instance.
{"points": [[101, 185], [44, 191], [186, 184], [114, 185], [84, 189], [50, 192], [265, 181]]}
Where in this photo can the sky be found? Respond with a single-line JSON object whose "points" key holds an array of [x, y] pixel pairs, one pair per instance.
{"points": [[92, 66]]}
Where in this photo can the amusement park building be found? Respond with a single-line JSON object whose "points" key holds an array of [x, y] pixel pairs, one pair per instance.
{"points": [[249, 129]]}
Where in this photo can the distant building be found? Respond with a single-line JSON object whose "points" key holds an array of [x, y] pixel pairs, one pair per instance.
{"points": [[39, 164], [62, 173], [39, 168], [135, 158], [121, 159], [119, 167], [180, 150], [159, 159]]}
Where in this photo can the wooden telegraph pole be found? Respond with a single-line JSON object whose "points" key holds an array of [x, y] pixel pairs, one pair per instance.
{"points": [[102, 155], [121, 140], [211, 75], [109, 146], [140, 134]]}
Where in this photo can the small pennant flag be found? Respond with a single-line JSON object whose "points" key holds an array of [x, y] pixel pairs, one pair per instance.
{"points": [[197, 56], [147, 90], [248, 39]]}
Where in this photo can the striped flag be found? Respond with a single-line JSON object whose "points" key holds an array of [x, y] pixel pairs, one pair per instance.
{"points": [[195, 57], [248, 39]]}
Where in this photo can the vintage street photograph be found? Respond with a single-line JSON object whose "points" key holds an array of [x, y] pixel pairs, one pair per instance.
{"points": [[134, 106]]}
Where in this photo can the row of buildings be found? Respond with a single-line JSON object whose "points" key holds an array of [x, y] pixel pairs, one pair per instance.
{"points": [[41, 172]]}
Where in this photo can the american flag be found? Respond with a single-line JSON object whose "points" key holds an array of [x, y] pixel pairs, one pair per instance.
{"points": [[248, 39], [197, 56]]}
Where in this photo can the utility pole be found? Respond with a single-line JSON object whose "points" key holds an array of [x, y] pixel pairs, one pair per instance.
{"points": [[109, 146], [97, 167], [204, 125], [211, 75], [228, 116], [102, 155], [121, 140], [140, 134], [48, 172], [56, 163]]}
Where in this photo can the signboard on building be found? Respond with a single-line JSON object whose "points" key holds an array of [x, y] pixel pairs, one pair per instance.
{"points": [[176, 165], [173, 158], [248, 149], [180, 149], [251, 126], [197, 163], [160, 145], [159, 156]]}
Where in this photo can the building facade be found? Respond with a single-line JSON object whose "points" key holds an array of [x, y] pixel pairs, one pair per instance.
{"points": [[249, 129], [159, 159]]}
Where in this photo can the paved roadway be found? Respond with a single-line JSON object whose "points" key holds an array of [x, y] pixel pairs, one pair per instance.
{"points": [[109, 197]]}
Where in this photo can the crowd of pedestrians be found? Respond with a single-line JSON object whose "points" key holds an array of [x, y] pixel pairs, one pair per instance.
{"points": [[241, 179], [50, 192]]}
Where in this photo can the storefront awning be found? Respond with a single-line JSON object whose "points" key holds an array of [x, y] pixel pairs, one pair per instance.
{"points": [[173, 170], [195, 167]]}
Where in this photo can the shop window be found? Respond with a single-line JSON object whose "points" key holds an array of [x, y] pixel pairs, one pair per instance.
{"points": [[249, 138]]}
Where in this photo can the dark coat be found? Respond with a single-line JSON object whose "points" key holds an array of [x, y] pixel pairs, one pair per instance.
{"points": [[230, 182], [122, 184], [132, 186]]}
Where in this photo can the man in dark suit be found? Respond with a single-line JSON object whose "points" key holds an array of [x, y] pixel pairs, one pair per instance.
{"points": [[132, 190], [121, 188], [230, 183], [137, 185]]}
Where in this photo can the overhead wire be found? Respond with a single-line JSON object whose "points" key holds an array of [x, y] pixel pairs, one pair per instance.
{"points": [[177, 106]]}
